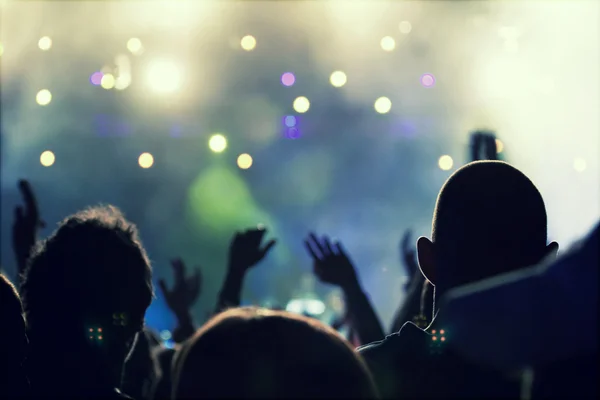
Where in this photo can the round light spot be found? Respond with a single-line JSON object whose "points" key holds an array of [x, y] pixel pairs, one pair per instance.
{"points": [[290, 121], [165, 335], [43, 97], [383, 105], [388, 43], [134, 45], [338, 79], [405, 27], [288, 79], [445, 162], [145, 160], [96, 78], [248, 43], [244, 161], [579, 164], [108, 81], [47, 158], [428, 80], [499, 146], [45, 43], [217, 143], [164, 76], [301, 104], [1, 49]]}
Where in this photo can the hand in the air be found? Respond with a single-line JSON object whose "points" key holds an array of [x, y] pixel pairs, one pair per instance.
{"points": [[25, 226], [246, 250], [330, 262], [409, 258], [185, 291]]}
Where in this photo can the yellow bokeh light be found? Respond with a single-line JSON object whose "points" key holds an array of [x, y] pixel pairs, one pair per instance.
{"points": [[217, 143], [383, 105], [445, 162], [47, 158], [579, 164], [405, 27], [108, 81], [134, 45], [248, 43], [244, 161], [146, 160], [164, 76], [301, 104], [45, 43], [43, 97], [499, 146], [388, 43], [338, 79], [1, 49]]}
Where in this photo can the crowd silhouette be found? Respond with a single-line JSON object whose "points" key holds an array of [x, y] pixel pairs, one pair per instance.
{"points": [[480, 291]]}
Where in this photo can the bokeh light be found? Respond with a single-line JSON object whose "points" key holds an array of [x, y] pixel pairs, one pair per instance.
{"points": [[445, 162], [338, 79], [288, 79], [164, 76], [292, 133], [45, 43], [405, 27], [248, 43], [43, 97], [290, 121], [428, 80], [108, 81], [499, 146], [383, 105], [244, 161], [145, 160], [217, 143], [388, 43], [96, 78], [301, 104], [579, 164], [165, 335], [47, 158], [134, 45], [1, 49]]}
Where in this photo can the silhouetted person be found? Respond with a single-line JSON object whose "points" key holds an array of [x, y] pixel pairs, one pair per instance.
{"points": [[261, 353], [489, 219], [13, 342], [85, 293]]}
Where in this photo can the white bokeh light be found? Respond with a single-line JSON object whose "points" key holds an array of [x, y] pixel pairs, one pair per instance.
{"points": [[164, 76]]}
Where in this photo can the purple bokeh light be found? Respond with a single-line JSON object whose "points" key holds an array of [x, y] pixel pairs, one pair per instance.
{"points": [[288, 79], [428, 80], [290, 121], [292, 133], [96, 78]]}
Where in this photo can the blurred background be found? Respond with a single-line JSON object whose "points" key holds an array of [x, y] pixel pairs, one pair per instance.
{"points": [[198, 118]]}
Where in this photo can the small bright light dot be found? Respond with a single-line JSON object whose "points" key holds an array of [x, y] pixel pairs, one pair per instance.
{"points": [[338, 79], [427, 80], [165, 335], [288, 79], [145, 160], [164, 76], [292, 133], [383, 105], [43, 97], [445, 162], [134, 45], [433, 331], [388, 43], [99, 329], [301, 104], [108, 81], [248, 43], [47, 158], [99, 337], [96, 78], [434, 338], [1, 49], [244, 161], [290, 121], [91, 330], [499, 146], [45, 43], [91, 337], [442, 332], [443, 339], [579, 164], [217, 143], [405, 27]]}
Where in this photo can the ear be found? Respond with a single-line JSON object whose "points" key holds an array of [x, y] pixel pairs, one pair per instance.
{"points": [[426, 255], [552, 250]]}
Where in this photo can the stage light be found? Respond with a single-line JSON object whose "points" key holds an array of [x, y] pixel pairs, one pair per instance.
{"points": [[165, 335], [309, 306], [217, 143], [146, 160], [96, 78], [338, 79], [499, 146], [108, 81], [244, 161], [445, 162], [383, 105], [301, 104], [248, 43], [134, 45], [45, 43], [428, 80], [164, 76], [288, 79], [388, 43], [405, 27], [47, 158], [43, 97]]}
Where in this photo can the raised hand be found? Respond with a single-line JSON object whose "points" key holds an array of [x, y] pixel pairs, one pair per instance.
{"points": [[246, 250], [185, 291], [330, 262], [409, 258], [25, 226]]}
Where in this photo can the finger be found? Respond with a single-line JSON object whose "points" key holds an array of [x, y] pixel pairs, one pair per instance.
{"points": [[268, 247], [327, 246], [31, 208], [317, 243], [178, 271], [163, 287], [341, 250], [313, 252], [406, 247], [18, 214]]}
